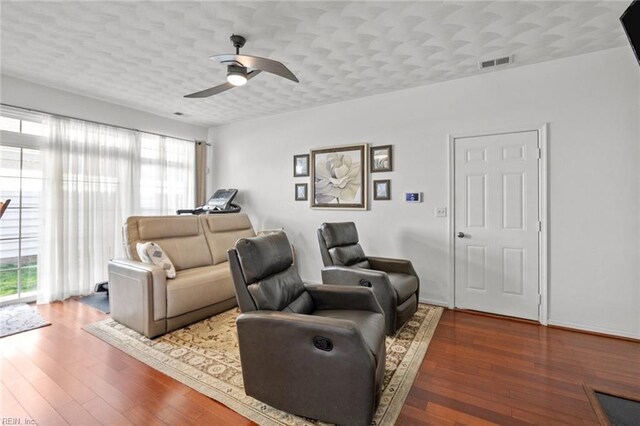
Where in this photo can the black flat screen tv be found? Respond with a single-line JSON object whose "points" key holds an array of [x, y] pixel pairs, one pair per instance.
{"points": [[631, 23]]}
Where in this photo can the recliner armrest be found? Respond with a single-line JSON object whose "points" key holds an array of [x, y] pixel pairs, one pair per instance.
{"points": [[270, 319], [378, 281], [298, 362], [346, 275], [386, 264], [327, 296], [270, 332]]}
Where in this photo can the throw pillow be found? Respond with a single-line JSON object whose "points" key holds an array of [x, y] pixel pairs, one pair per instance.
{"points": [[157, 256], [142, 253]]}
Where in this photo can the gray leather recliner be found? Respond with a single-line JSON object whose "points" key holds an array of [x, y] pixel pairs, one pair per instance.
{"points": [[316, 351], [394, 281]]}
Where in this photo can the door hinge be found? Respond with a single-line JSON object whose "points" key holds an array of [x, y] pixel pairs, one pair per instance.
{"points": [[539, 226], [539, 300], [539, 153]]}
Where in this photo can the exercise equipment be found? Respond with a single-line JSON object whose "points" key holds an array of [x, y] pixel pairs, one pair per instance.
{"points": [[220, 202]]}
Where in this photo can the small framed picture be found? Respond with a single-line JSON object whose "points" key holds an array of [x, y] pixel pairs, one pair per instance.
{"points": [[301, 192], [382, 189], [381, 159], [301, 165]]}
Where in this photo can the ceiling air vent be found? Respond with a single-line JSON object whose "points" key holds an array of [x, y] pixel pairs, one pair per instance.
{"points": [[494, 62]]}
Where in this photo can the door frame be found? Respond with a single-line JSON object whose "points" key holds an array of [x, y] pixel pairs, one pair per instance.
{"points": [[543, 208]]}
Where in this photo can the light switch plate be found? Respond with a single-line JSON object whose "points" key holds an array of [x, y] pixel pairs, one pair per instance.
{"points": [[441, 212]]}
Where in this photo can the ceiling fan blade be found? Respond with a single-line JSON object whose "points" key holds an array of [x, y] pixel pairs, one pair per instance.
{"points": [[256, 62], [220, 88], [212, 91]]}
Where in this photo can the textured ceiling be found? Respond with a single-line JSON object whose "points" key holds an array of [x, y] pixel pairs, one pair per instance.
{"points": [[147, 55]]}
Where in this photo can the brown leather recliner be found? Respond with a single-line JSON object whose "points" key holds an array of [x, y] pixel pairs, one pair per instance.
{"points": [[316, 351], [394, 281]]}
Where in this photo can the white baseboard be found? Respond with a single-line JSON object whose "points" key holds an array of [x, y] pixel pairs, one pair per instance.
{"points": [[603, 330], [583, 327], [435, 302]]}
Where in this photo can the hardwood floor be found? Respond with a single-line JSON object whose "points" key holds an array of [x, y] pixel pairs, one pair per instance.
{"points": [[478, 370]]}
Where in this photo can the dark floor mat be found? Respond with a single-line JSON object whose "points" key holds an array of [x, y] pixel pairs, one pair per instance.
{"points": [[100, 301], [620, 411]]}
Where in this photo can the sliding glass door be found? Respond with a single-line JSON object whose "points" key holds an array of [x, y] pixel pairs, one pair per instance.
{"points": [[96, 176], [21, 182]]}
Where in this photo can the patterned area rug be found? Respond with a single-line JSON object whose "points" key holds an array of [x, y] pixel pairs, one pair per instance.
{"points": [[18, 318], [205, 357]]}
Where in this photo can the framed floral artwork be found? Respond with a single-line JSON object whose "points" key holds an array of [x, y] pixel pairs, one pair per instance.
{"points": [[339, 177], [381, 159], [382, 189], [301, 192]]}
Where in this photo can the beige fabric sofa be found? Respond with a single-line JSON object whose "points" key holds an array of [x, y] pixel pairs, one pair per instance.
{"points": [[141, 296]]}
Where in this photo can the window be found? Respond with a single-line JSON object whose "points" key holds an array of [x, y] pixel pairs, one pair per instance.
{"points": [[20, 181], [10, 124], [16, 125], [97, 176], [167, 175]]}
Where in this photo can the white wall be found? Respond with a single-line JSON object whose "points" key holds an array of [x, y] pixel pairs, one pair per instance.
{"points": [[25, 94], [592, 105]]}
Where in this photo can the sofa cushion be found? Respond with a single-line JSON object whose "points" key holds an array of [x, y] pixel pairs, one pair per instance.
{"points": [[151, 228], [405, 285], [181, 238], [186, 252], [222, 232], [197, 288]]}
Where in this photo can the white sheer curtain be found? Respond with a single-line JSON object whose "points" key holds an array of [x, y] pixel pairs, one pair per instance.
{"points": [[95, 176], [91, 184]]}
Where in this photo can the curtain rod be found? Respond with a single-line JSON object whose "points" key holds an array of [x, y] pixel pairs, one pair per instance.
{"points": [[100, 123]]}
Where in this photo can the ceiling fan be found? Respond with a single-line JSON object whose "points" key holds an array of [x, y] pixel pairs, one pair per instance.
{"points": [[238, 69]]}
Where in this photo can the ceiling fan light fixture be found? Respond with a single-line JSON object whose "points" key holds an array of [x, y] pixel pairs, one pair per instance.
{"points": [[237, 75], [238, 66]]}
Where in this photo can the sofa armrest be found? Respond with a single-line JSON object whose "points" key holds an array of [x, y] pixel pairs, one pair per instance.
{"points": [[134, 264], [326, 296], [138, 296], [386, 264]]}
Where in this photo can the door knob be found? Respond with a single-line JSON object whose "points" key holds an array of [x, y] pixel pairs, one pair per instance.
{"points": [[460, 234]]}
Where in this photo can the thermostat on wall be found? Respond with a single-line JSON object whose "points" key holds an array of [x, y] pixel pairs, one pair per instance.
{"points": [[413, 197]]}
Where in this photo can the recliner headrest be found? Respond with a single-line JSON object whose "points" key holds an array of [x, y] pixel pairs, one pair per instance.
{"points": [[261, 257], [339, 234]]}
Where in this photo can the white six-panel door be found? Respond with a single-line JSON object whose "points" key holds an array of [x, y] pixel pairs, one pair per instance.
{"points": [[497, 224]]}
